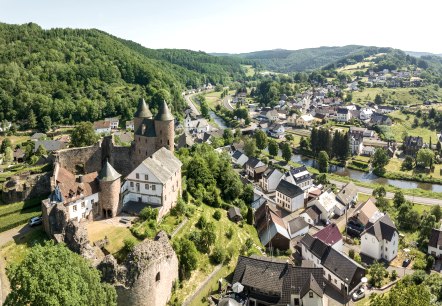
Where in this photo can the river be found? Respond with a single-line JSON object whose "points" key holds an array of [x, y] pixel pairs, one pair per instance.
{"points": [[369, 177], [218, 120]]}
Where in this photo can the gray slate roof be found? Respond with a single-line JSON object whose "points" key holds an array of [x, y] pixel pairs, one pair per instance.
{"points": [[108, 173], [382, 229], [289, 189], [435, 238], [49, 145], [164, 113], [142, 110], [347, 194], [163, 164], [297, 224]]}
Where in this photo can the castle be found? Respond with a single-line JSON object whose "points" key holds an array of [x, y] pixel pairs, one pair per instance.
{"points": [[100, 181]]}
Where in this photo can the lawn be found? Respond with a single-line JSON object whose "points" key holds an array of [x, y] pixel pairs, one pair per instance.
{"points": [[242, 231], [15, 214], [394, 166], [250, 71], [15, 140], [115, 233]]}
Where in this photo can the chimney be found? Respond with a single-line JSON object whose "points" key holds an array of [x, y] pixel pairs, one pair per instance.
{"points": [[80, 179]]}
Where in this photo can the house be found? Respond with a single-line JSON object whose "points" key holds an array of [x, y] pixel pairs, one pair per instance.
{"points": [[365, 114], [300, 177], [343, 114], [340, 271], [276, 130], [18, 155], [130, 125], [289, 196], [312, 215], [272, 115], [255, 168], [291, 120], [271, 229], [380, 119], [234, 214], [385, 109], [239, 158], [114, 122], [366, 213], [196, 125], [435, 243], [380, 239], [102, 127], [49, 145], [348, 195], [155, 182], [368, 150], [328, 205], [305, 120], [356, 139], [184, 141], [297, 227], [331, 236], [412, 144], [270, 179], [38, 136], [270, 281]]}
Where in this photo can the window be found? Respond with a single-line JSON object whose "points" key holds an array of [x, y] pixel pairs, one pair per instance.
{"points": [[74, 208], [82, 205], [153, 187], [310, 294], [83, 215], [137, 175], [146, 177], [131, 184], [165, 197], [138, 187], [146, 186], [158, 277], [92, 201]]}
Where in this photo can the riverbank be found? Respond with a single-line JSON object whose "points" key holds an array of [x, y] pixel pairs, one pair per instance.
{"points": [[410, 192]]}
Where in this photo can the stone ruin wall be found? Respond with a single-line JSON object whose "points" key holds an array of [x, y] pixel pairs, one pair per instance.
{"points": [[20, 188]]}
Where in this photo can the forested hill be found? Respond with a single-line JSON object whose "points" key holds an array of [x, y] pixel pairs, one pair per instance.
{"points": [[71, 75], [286, 61]]}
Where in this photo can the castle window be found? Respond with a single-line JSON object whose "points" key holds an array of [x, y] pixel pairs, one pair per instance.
{"points": [[146, 177], [131, 184], [83, 215], [82, 205], [145, 140], [168, 142], [153, 187], [161, 141], [74, 208], [158, 277], [165, 197], [92, 201], [146, 186], [137, 175]]}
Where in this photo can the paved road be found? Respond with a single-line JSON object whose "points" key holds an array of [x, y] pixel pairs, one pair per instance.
{"points": [[227, 104], [191, 105], [390, 195], [15, 233]]}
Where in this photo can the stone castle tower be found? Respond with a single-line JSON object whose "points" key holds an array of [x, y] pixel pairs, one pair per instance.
{"points": [[110, 183], [151, 134]]}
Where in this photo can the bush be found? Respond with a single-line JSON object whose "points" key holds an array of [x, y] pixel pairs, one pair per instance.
{"points": [[202, 222], [229, 233], [419, 264], [217, 215], [129, 244], [148, 213], [351, 253], [219, 255], [179, 209], [393, 275]]}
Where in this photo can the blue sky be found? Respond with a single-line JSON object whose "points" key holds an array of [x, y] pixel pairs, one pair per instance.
{"points": [[244, 25]]}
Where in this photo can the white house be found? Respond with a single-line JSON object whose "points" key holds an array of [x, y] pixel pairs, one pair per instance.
{"points": [[114, 122], [435, 243], [312, 215], [199, 125], [155, 182], [343, 115], [305, 120], [297, 227], [276, 130], [270, 179], [328, 205], [300, 177], [380, 239], [365, 113], [272, 115], [289, 196], [130, 125], [102, 127], [340, 271], [239, 158]]}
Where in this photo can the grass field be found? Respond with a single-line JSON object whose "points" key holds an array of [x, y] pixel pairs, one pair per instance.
{"points": [[116, 234], [15, 140], [15, 214], [250, 71], [205, 266], [399, 95]]}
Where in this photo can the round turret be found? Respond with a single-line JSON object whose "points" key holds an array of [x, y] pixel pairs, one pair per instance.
{"points": [[109, 198], [164, 127]]}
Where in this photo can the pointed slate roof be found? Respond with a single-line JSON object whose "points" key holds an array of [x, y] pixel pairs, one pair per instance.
{"points": [[143, 110], [108, 173], [164, 113], [382, 229], [313, 285]]}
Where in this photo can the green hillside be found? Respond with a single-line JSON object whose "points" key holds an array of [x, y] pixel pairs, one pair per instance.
{"points": [[71, 75]]}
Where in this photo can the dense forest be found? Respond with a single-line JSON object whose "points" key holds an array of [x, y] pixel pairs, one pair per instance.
{"points": [[71, 75]]}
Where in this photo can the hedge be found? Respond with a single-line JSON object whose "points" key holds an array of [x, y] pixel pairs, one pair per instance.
{"points": [[8, 209], [11, 221]]}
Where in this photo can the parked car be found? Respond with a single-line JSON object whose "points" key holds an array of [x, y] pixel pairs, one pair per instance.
{"points": [[360, 294], [35, 221], [406, 262]]}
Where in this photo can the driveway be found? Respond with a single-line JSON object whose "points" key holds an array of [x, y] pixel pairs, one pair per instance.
{"points": [[15, 233]]}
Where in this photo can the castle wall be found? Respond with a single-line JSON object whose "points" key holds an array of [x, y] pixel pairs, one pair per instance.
{"points": [[89, 158], [25, 188], [121, 159]]}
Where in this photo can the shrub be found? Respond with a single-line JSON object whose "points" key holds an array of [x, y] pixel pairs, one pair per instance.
{"points": [[148, 213], [218, 255], [351, 253], [202, 222], [419, 264], [229, 233], [393, 275], [129, 244], [217, 215]]}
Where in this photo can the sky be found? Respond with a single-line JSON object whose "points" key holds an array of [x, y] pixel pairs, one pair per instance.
{"points": [[244, 25]]}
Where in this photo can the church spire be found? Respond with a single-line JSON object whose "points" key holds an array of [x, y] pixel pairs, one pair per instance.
{"points": [[164, 113], [143, 110]]}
